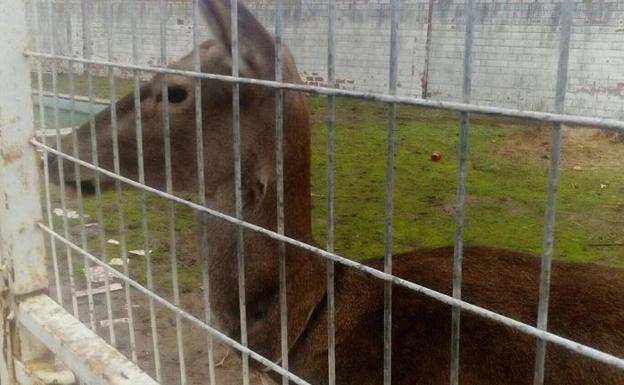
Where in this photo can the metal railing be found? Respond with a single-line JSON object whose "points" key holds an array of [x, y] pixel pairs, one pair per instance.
{"points": [[31, 312]]}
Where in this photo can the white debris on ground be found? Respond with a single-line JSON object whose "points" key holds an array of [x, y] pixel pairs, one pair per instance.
{"points": [[116, 262], [105, 323], [139, 252], [70, 214], [113, 242], [52, 132], [97, 274], [99, 290]]}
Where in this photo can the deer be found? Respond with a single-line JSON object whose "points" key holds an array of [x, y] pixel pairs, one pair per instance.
{"points": [[586, 303]]}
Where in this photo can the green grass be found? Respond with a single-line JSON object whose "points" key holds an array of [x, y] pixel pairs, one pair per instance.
{"points": [[505, 201], [505, 197]]}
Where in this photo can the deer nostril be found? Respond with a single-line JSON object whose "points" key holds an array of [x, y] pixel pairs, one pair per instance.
{"points": [[176, 94]]}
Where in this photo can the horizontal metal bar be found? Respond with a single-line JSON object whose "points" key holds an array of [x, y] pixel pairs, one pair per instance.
{"points": [[573, 120], [488, 314], [92, 360], [176, 309]]}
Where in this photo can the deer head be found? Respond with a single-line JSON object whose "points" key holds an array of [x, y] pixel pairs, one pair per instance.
{"points": [[258, 170], [257, 105]]}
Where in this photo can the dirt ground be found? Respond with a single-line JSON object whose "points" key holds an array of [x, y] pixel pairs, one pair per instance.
{"points": [[581, 148], [195, 341]]}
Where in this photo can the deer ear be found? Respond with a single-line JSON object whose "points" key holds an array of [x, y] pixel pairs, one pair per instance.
{"points": [[256, 46]]}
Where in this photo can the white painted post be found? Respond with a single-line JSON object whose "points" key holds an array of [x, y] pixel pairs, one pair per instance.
{"points": [[21, 242], [22, 252], [33, 328]]}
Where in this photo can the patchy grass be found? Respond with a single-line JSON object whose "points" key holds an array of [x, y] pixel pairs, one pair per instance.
{"points": [[507, 168]]}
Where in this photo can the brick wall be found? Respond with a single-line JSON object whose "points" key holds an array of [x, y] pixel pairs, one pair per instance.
{"points": [[515, 52]]}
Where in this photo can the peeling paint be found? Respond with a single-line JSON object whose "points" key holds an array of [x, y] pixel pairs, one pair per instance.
{"points": [[47, 371], [10, 154], [90, 357]]}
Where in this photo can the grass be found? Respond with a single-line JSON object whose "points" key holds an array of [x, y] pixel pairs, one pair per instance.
{"points": [[505, 194], [506, 189]]}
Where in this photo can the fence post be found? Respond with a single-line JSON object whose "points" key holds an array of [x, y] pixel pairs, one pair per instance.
{"points": [[22, 250]]}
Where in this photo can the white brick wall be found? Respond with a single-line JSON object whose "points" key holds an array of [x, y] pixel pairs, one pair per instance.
{"points": [[515, 53]]}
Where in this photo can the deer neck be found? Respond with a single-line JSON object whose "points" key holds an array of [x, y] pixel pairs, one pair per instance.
{"points": [[260, 251]]}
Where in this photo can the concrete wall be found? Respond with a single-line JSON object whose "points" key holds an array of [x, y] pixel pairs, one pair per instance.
{"points": [[515, 51]]}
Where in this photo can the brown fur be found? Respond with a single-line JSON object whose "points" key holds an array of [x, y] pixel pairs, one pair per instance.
{"points": [[587, 302]]}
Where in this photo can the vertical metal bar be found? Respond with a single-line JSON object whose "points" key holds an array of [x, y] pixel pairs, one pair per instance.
{"points": [[567, 16], [169, 187], [425, 76], [330, 123], [46, 168], [117, 169], [141, 166], [464, 124], [86, 33], [392, 111], [279, 164], [61, 168], [201, 190], [240, 247], [77, 176]]}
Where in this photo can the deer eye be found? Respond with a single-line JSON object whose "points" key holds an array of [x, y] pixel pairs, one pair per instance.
{"points": [[176, 94]]}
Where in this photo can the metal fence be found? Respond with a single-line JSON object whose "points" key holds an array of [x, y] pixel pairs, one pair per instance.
{"points": [[33, 323]]}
